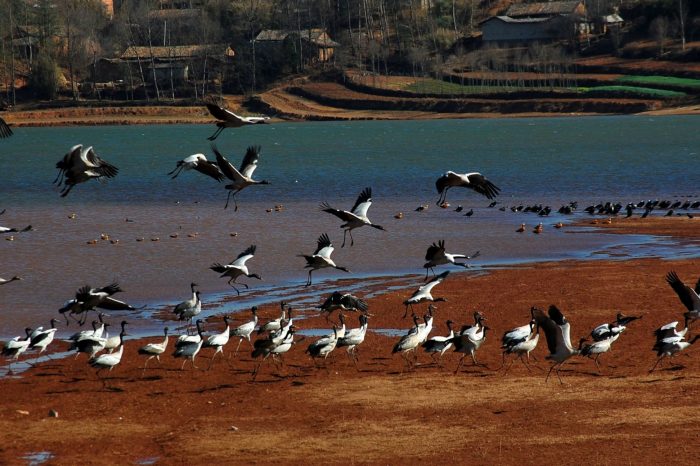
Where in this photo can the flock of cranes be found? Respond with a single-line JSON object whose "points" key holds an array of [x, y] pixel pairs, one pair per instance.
{"points": [[273, 339], [277, 336]]}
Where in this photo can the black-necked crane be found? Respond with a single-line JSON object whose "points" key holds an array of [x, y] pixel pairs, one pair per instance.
{"points": [[15, 230], [668, 332], [321, 258], [597, 348], [108, 360], [113, 342], [423, 293], [274, 324], [265, 346], [237, 268], [285, 324], [343, 302], [557, 330], [85, 333], [71, 308], [5, 281], [188, 349], [671, 348], [218, 341], [199, 163], [88, 298], [284, 346], [89, 344], [353, 338], [437, 346], [189, 308], [241, 178], [227, 119], [474, 181], [408, 343], [154, 350], [436, 255], [15, 347], [41, 338], [612, 329], [689, 297], [5, 131], [80, 165], [520, 341], [469, 340], [522, 346], [324, 346], [244, 331], [355, 217]]}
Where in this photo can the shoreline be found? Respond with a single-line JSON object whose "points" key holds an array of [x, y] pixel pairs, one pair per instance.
{"points": [[297, 413], [164, 115]]}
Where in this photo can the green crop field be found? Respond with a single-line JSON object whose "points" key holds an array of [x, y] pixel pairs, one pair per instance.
{"points": [[633, 91], [659, 81]]}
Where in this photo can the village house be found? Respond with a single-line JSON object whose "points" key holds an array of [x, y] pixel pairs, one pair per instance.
{"points": [[174, 62], [541, 21], [320, 47]]}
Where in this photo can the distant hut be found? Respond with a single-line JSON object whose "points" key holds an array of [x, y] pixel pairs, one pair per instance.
{"points": [[540, 21], [317, 44]]}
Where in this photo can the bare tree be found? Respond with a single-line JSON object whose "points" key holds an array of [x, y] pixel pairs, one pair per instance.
{"points": [[658, 29], [682, 18]]}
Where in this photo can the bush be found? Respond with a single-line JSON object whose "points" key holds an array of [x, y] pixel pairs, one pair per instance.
{"points": [[43, 80]]}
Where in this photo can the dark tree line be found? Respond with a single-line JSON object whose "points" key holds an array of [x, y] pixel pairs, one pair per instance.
{"points": [[54, 45]]}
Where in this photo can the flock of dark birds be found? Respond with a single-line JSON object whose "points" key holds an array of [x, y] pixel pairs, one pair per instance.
{"points": [[277, 336]]}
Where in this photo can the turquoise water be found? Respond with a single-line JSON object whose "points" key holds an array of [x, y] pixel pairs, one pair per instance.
{"points": [[549, 161]]}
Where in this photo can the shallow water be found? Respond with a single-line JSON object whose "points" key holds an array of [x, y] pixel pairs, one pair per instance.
{"points": [[548, 161]]}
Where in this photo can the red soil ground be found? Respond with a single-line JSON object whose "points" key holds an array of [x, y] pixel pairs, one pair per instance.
{"points": [[299, 414]]}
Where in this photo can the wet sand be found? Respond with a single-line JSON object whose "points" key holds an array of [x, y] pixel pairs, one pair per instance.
{"points": [[678, 226], [299, 414]]}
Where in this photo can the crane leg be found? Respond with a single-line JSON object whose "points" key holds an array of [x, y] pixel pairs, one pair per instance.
{"points": [[235, 203], [345, 232], [657, 363], [216, 134], [461, 361], [228, 198], [308, 280], [550, 372]]}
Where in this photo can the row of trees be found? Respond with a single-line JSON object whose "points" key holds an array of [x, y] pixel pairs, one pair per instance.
{"points": [[58, 43]]}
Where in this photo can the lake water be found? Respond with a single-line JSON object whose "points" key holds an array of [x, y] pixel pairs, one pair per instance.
{"points": [[550, 160]]}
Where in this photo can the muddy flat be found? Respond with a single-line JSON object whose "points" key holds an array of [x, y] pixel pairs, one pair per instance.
{"points": [[379, 412]]}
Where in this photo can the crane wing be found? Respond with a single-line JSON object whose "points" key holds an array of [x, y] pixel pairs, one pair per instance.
{"points": [[210, 169], [435, 250], [244, 256], [5, 131], [364, 200], [221, 113], [341, 214], [685, 293], [481, 185], [226, 167], [250, 161], [323, 242]]}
